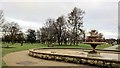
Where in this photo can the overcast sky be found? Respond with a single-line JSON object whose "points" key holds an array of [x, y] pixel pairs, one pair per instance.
{"points": [[100, 14]]}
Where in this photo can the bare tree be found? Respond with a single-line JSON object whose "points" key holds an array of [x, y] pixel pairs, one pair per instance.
{"points": [[10, 31], [2, 20], [75, 20], [43, 34], [61, 30], [50, 31], [60, 26]]}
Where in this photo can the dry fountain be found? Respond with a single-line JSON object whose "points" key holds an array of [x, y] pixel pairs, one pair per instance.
{"points": [[80, 56], [94, 40]]}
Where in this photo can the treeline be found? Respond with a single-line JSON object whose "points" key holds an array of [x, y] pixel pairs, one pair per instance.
{"points": [[64, 29]]}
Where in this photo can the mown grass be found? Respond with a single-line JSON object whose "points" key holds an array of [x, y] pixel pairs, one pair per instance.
{"points": [[83, 46], [17, 47], [118, 47], [103, 46], [26, 46]]}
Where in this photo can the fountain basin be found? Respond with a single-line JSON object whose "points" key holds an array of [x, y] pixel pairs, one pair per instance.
{"points": [[73, 55]]}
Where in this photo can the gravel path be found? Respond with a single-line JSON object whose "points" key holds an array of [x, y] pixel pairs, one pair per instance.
{"points": [[21, 58]]}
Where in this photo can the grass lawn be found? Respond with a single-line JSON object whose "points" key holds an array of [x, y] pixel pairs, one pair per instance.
{"points": [[26, 46], [103, 46], [18, 47], [83, 46], [118, 47]]}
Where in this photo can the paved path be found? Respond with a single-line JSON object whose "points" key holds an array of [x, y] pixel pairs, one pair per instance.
{"points": [[112, 47], [21, 58]]}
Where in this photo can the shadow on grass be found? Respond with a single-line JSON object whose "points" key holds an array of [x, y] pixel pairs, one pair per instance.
{"points": [[8, 47]]}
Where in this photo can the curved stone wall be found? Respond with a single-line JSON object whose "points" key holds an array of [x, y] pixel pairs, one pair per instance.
{"points": [[74, 59]]}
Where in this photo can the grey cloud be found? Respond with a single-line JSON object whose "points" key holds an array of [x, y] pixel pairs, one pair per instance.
{"points": [[101, 16]]}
